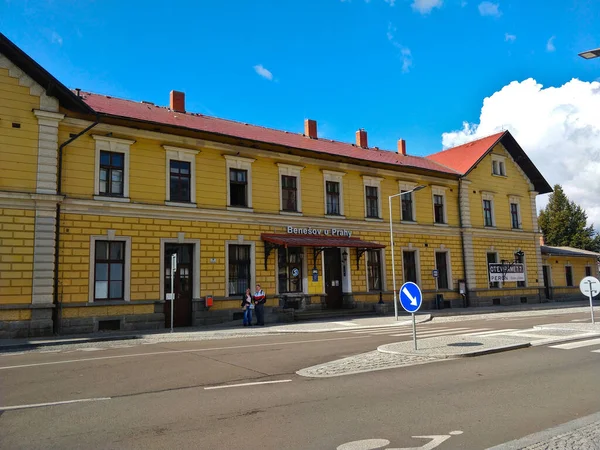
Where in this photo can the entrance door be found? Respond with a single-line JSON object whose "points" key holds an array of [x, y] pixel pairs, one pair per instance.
{"points": [[333, 278], [182, 284], [546, 270]]}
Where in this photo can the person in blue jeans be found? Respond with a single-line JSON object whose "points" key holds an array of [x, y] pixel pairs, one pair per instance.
{"points": [[248, 306]]}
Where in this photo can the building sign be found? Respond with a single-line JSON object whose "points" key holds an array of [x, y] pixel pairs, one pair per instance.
{"points": [[506, 272], [337, 232]]}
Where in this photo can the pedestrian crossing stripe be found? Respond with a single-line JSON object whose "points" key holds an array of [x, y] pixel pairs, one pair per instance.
{"points": [[393, 330], [578, 344], [440, 333]]}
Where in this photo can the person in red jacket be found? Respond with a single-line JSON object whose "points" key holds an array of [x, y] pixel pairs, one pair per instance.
{"points": [[259, 305]]}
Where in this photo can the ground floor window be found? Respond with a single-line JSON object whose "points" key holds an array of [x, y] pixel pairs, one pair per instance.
{"points": [[569, 275], [492, 258], [409, 263], [290, 269], [441, 264], [239, 269], [109, 270], [520, 258], [374, 270]]}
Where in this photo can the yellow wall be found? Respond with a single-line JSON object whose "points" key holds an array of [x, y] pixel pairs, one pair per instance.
{"points": [[557, 266], [502, 187], [16, 256], [19, 146]]}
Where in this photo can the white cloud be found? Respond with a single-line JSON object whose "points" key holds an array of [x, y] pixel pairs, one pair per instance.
{"points": [[405, 54], [558, 128], [509, 37], [550, 44], [489, 9], [56, 38], [265, 73], [425, 6]]}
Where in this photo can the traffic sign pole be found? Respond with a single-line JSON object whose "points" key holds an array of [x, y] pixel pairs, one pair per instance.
{"points": [[590, 286], [411, 299], [414, 331], [591, 305]]}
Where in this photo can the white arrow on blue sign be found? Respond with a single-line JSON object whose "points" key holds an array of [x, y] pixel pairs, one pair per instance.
{"points": [[410, 297]]}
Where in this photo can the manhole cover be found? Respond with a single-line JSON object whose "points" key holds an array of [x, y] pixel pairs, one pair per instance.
{"points": [[465, 344]]}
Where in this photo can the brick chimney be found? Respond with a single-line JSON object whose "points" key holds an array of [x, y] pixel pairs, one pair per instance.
{"points": [[361, 138], [401, 147], [310, 128], [177, 101]]}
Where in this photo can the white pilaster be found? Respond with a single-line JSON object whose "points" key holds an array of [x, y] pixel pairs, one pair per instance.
{"points": [[47, 151]]}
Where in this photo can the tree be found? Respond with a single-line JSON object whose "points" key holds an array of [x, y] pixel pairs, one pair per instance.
{"points": [[563, 223]]}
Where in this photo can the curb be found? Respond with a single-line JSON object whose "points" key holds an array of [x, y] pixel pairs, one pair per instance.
{"points": [[504, 348], [33, 345]]}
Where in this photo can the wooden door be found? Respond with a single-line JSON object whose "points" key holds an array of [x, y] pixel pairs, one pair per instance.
{"points": [[183, 283]]}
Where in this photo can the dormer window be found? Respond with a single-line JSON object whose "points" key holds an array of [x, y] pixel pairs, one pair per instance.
{"points": [[498, 166]]}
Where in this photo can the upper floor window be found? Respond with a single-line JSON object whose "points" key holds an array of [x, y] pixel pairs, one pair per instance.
{"points": [[374, 270], [438, 208], [498, 165], [372, 199], [372, 187], [290, 195], [290, 262], [111, 179], [181, 175], [407, 200], [487, 213], [334, 193], [515, 212], [333, 197], [239, 181], [238, 187], [112, 166]]}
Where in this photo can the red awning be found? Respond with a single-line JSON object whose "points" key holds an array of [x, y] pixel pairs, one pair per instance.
{"points": [[294, 240]]}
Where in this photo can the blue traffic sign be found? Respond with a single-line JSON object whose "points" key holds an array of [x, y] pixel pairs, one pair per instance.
{"points": [[410, 297]]}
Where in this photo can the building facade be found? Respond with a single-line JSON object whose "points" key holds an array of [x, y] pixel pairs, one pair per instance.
{"points": [[98, 194], [563, 269]]}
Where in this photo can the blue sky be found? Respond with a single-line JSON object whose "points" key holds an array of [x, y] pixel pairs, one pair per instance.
{"points": [[410, 69]]}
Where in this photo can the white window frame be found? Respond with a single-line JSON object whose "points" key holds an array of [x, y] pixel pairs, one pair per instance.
{"points": [[376, 183], [500, 163], [383, 277], [487, 268], [448, 266], [304, 274], [516, 200], [439, 190], [490, 197], [407, 186], [410, 248], [290, 171], [110, 236], [115, 145], [241, 163], [329, 175], [195, 265], [240, 241], [186, 155]]}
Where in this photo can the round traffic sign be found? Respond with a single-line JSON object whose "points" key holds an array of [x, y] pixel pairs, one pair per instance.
{"points": [[590, 286], [411, 297]]}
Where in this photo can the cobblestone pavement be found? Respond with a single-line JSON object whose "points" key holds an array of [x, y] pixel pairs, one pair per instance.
{"points": [[580, 434], [365, 362]]}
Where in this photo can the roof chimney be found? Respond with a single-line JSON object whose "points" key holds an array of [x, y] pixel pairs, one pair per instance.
{"points": [[361, 138], [310, 128], [401, 147], [177, 101]]}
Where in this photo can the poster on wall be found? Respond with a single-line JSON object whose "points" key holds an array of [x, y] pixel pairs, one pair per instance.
{"points": [[506, 272]]}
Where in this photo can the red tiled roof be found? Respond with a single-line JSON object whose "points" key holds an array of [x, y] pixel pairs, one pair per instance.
{"points": [[463, 157], [156, 114], [294, 240]]}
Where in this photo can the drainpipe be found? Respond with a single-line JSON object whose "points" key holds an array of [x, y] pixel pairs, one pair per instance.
{"points": [[462, 243], [57, 300]]}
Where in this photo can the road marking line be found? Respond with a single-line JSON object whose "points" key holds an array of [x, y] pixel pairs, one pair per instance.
{"points": [[174, 352], [379, 331], [572, 345], [361, 330], [489, 333], [436, 332], [40, 405], [246, 384], [443, 333]]}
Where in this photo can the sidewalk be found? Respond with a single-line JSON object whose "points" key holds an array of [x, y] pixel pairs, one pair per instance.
{"points": [[231, 330]]}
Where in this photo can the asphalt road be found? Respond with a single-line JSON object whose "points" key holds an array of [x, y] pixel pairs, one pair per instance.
{"points": [[156, 396]]}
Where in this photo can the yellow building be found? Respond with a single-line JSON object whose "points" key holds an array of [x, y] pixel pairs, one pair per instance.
{"points": [[98, 193], [564, 268]]}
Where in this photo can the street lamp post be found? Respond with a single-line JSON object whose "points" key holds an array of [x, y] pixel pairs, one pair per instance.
{"points": [[415, 189], [590, 54]]}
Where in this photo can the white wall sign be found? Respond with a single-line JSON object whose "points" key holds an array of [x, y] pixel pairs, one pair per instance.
{"points": [[506, 272]]}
